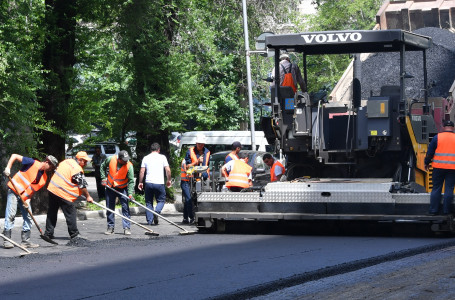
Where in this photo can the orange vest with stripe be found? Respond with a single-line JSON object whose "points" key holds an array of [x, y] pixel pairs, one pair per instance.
{"points": [[194, 158], [24, 181], [61, 185], [118, 178], [183, 175], [444, 156], [272, 170], [238, 177]]}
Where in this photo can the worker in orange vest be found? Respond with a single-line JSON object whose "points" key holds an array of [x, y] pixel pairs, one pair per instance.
{"points": [[31, 177], [233, 155], [441, 154], [276, 168], [66, 185], [239, 171], [120, 176]]}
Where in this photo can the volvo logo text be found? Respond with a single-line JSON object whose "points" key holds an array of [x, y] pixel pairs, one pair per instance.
{"points": [[332, 37]]}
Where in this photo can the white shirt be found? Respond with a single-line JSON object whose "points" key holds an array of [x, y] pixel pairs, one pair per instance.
{"points": [[154, 165]]}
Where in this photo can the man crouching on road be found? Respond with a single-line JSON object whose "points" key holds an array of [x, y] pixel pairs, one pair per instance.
{"points": [[30, 178], [121, 178], [239, 171], [67, 184]]}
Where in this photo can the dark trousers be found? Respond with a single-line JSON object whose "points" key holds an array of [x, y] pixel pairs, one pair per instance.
{"points": [[99, 187], [441, 176], [69, 211]]}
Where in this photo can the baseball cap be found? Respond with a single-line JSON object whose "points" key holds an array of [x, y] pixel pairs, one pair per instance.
{"points": [[201, 139], [123, 155], [83, 155], [52, 160], [448, 123], [236, 145]]}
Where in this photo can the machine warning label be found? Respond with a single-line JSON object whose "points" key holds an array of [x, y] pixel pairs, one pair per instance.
{"points": [[373, 132]]}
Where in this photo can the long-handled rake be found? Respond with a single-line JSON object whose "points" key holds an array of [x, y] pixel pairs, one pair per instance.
{"points": [[18, 245], [46, 238], [148, 232], [184, 232]]}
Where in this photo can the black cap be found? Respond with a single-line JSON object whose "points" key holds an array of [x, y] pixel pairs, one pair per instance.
{"points": [[236, 145], [123, 155], [448, 123]]}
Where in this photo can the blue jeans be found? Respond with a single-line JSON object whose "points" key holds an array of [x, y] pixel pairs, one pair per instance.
{"points": [[159, 192], [110, 203], [441, 176], [11, 209], [187, 203]]}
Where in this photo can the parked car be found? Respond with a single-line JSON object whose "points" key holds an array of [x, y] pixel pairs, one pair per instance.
{"points": [[107, 148], [260, 171]]}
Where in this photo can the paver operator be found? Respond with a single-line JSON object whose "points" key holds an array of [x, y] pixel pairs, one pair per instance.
{"points": [[290, 74], [277, 169]]}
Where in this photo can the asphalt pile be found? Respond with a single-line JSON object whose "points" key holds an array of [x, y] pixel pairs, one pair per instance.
{"points": [[381, 69]]}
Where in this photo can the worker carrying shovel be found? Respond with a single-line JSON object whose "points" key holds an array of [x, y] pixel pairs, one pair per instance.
{"points": [[120, 177], [31, 177]]}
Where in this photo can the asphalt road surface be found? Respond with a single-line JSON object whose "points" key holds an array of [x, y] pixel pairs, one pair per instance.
{"points": [[235, 265]]}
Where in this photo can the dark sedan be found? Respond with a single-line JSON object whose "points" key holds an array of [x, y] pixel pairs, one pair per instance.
{"points": [[260, 171]]}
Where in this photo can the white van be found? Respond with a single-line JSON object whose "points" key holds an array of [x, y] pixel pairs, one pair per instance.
{"points": [[222, 140]]}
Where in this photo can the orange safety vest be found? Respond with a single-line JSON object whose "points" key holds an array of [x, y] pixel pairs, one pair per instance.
{"points": [[238, 177], [61, 185], [288, 80], [272, 171], [444, 156], [183, 175], [194, 158], [24, 182], [118, 178], [233, 156]]}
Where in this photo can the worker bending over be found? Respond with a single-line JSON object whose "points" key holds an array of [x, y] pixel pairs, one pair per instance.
{"points": [[277, 169], [239, 171]]}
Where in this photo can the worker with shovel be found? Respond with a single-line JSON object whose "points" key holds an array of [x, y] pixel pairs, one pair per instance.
{"points": [[66, 185], [120, 178], [31, 177]]}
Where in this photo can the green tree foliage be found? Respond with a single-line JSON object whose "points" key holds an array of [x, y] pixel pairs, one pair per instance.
{"points": [[325, 71], [21, 40]]}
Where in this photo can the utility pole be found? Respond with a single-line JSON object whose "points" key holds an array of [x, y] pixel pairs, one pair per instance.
{"points": [[248, 74]]}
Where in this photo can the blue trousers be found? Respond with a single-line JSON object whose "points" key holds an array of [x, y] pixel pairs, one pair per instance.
{"points": [[441, 176], [159, 192], [110, 203], [187, 203], [13, 201]]}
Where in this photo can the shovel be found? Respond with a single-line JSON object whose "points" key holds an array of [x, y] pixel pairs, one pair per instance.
{"points": [[148, 232], [184, 232], [17, 245], [46, 238]]}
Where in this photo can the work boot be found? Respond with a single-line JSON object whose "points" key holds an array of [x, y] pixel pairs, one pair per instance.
{"points": [[26, 243], [7, 244], [155, 220], [109, 231]]}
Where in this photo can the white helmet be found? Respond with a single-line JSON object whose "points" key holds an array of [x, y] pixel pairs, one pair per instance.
{"points": [[201, 139]]}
